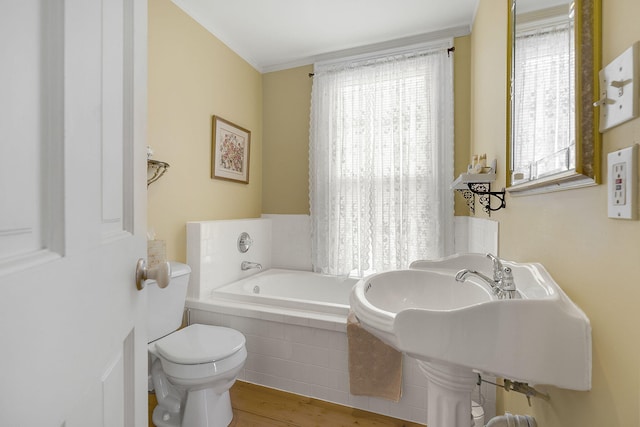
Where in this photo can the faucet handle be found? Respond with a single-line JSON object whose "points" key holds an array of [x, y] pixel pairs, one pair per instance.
{"points": [[507, 284], [497, 266], [507, 278]]}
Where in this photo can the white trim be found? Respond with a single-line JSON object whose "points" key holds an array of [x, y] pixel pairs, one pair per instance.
{"points": [[400, 50], [393, 46], [564, 181]]}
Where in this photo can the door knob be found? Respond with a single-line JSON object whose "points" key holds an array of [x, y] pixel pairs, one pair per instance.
{"points": [[160, 273]]}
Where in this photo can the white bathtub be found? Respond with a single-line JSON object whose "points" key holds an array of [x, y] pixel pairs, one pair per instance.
{"points": [[279, 292]]}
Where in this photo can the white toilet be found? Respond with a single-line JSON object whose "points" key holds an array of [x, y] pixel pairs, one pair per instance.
{"points": [[191, 369]]}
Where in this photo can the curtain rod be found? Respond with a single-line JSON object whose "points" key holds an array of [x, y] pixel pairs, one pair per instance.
{"points": [[449, 51]]}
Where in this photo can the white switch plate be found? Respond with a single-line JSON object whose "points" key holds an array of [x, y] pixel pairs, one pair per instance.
{"points": [[619, 84], [622, 177]]}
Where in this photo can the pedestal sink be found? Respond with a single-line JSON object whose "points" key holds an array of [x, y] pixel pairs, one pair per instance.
{"points": [[454, 329]]}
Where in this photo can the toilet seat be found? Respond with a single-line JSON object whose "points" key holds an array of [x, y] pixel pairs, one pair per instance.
{"points": [[198, 344], [198, 354]]}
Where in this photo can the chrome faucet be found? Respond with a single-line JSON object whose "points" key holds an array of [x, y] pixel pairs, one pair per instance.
{"points": [[247, 265], [502, 283]]}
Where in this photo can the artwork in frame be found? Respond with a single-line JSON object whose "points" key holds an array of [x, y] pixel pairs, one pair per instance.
{"points": [[229, 151]]}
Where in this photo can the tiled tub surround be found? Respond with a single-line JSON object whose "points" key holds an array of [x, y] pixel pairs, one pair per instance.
{"points": [[303, 352], [309, 357], [213, 255]]}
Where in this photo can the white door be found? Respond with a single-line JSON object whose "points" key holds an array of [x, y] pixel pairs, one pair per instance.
{"points": [[72, 212]]}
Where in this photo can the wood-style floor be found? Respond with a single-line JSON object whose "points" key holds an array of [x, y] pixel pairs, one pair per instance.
{"points": [[257, 406]]}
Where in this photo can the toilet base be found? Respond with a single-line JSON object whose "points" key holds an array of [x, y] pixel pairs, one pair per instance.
{"points": [[203, 408]]}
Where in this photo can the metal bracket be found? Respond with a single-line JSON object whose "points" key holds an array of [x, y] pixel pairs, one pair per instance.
{"points": [[484, 193]]}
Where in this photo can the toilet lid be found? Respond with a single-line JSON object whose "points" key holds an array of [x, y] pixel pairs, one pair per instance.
{"points": [[200, 344]]}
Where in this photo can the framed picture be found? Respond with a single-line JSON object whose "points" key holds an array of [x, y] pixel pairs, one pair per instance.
{"points": [[229, 151]]}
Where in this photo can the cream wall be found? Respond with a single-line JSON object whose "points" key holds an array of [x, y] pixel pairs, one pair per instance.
{"points": [[462, 114], [596, 260], [286, 104], [192, 76]]}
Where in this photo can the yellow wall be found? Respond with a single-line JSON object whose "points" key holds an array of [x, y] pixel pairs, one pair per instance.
{"points": [[192, 76], [286, 103], [595, 260], [462, 114]]}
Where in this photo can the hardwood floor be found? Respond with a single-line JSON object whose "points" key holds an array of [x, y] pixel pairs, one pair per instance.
{"points": [[257, 406]]}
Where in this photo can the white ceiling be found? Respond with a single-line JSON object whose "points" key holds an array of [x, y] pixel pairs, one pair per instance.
{"points": [[278, 34]]}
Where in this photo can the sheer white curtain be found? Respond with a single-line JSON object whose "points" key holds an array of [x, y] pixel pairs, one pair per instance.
{"points": [[544, 113], [381, 162]]}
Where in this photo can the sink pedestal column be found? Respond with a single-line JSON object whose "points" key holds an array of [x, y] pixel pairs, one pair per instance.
{"points": [[449, 389]]}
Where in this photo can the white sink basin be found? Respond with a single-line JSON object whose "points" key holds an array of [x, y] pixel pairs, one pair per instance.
{"points": [[541, 337]]}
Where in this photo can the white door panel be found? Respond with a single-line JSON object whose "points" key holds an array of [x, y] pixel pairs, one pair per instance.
{"points": [[72, 212]]}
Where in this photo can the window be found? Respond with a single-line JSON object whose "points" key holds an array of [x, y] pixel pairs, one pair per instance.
{"points": [[544, 109], [381, 162]]}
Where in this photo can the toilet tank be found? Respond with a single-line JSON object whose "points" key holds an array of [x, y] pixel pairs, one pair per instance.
{"points": [[166, 306]]}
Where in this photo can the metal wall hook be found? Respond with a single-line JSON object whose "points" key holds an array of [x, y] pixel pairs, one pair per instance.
{"points": [[160, 273], [604, 101]]}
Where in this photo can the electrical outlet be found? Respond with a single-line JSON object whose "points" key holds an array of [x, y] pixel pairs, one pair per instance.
{"points": [[619, 184], [622, 179]]}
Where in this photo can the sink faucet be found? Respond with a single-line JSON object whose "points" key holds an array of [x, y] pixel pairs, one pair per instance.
{"points": [[502, 283], [247, 265]]}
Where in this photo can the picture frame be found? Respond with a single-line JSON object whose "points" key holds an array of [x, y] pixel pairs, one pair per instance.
{"points": [[230, 149]]}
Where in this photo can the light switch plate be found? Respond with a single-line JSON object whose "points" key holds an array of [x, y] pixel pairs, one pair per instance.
{"points": [[622, 178], [619, 84]]}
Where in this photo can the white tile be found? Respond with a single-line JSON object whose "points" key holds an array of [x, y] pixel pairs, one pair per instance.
{"points": [[300, 372], [295, 333], [483, 235], [400, 410], [314, 337], [212, 250], [339, 397], [414, 396], [319, 376], [320, 392], [418, 415], [310, 354], [339, 360], [300, 388], [274, 330], [270, 347], [379, 406], [338, 380], [461, 234], [338, 341], [291, 237], [361, 402], [321, 324], [292, 320]]}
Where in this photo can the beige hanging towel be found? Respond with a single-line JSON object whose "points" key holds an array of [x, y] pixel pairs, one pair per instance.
{"points": [[375, 368]]}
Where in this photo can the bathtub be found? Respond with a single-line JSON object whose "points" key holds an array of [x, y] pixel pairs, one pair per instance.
{"points": [[279, 294]]}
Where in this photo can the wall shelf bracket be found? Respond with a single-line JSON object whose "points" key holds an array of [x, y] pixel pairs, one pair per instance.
{"points": [[155, 169], [484, 193], [479, 184]]}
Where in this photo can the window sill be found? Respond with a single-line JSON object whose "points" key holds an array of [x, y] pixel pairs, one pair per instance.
{"points": [[560, 182]]}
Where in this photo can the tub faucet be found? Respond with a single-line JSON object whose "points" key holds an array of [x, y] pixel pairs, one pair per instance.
{"points": [[247, 265], [502, 283]]}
